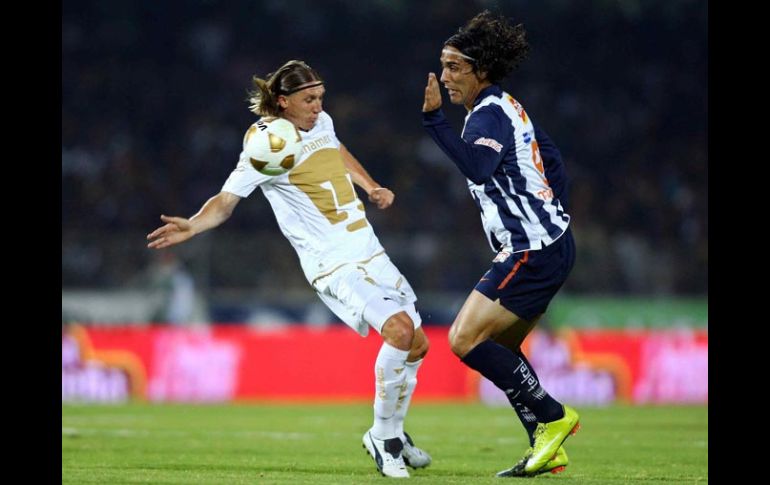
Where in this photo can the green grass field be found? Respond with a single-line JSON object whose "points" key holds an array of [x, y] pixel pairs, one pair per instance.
{"points": [[321, 443]]}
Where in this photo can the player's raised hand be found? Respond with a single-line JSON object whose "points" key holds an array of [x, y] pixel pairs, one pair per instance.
{"points": [[382, 197], [175, 231], [432, 94]]}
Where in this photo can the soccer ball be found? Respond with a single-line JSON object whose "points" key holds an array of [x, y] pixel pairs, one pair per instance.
{"points": [[273, 145]]}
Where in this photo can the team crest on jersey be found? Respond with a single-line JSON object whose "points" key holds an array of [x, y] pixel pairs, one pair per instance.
{"points": [[489, 142], [501, 256]]}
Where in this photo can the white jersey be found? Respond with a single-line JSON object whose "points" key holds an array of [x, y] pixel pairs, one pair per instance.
{"points": [[314, 203]]}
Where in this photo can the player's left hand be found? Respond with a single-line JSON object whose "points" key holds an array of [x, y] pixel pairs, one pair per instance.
{"points": [[382, 197]]}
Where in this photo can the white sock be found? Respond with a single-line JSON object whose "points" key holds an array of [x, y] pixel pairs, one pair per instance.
{"points": [[406, 397], [390, 380]]}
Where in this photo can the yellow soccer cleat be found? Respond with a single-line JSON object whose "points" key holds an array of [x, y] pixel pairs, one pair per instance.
{"points": [[549, 438], [555, 465]]}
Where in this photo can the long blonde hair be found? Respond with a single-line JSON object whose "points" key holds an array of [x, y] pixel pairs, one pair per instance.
{"points": [[263, 99]]}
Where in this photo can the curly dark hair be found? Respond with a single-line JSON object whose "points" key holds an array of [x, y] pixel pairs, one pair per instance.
{"points": [[496, 46]]}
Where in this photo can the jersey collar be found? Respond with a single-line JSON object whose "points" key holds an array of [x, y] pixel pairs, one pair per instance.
{"points": [[493, 90]]}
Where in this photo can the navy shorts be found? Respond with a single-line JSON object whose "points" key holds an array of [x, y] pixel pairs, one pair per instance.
{"points": [[526, 282]]}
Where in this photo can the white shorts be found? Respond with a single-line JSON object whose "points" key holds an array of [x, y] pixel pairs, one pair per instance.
{"points": [[364, 294]]}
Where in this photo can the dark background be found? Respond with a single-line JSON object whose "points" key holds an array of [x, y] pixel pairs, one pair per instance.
{"points": [[154, 110]]}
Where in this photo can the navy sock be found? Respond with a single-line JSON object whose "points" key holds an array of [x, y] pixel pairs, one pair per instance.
{"points": [[526, 417], [512, 374]]}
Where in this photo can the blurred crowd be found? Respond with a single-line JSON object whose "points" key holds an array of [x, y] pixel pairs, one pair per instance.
{"points": [[154, 110]]}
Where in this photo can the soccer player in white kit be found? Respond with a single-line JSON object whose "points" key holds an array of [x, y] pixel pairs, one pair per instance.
{"points": [[320, 214]]}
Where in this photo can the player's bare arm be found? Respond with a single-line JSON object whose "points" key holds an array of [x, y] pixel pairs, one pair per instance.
{"points": [[214, 212], [432, 94], [379, 195]]}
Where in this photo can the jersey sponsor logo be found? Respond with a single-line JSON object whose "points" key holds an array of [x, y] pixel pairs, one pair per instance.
{"points": [[316, 144], [546, 194], [519, 109], [489, 142]]}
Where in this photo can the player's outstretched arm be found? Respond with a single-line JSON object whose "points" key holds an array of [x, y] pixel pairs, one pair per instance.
{"points": [[177, 230], [379, 195]]}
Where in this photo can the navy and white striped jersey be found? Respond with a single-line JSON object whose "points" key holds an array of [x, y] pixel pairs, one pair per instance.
{"points": [[515, 172]]}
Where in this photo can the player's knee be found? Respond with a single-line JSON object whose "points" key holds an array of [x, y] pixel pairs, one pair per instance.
{"points": [[461, 342], [398, 331], [419, 348]]}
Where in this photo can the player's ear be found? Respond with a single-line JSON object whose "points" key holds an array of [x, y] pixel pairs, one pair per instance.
{"points": [[283, 102]]}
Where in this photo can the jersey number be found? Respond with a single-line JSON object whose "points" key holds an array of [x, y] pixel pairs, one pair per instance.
{"points": [[324, 180]]}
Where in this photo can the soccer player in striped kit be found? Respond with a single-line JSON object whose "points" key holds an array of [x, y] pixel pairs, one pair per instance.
{"points": [[517, 180]]}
